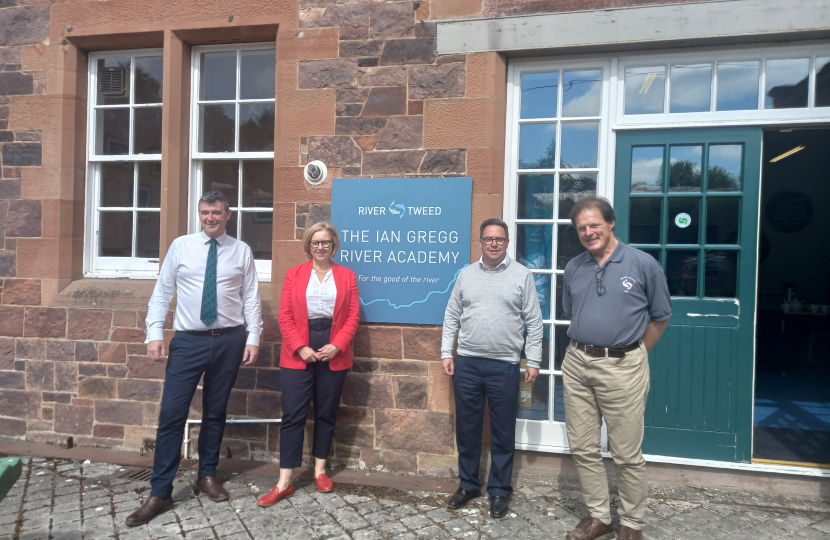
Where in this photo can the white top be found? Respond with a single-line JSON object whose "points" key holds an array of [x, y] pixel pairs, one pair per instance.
{"points": [[183, 274], [320, 296]]}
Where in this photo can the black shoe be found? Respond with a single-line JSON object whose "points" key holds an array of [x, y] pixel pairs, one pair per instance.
{"points": [[498, 507], [460, 498]]}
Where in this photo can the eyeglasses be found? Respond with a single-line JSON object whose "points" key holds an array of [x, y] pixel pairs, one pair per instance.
{"points": [[600, 284], [324, 243], [500, 240]]}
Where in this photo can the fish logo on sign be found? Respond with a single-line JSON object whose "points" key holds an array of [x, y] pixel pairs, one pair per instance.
{"points": [[397, 209]]}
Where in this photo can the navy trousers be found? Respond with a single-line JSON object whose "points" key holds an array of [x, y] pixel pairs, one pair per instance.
{"points": [[299, 387], [474, 380], [191, 356]]}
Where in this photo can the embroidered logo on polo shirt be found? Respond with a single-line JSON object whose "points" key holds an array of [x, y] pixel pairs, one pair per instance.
{"points": [[627, 283]]}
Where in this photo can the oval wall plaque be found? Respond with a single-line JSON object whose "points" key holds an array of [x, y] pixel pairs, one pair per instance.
{"points": [[789, 211]]}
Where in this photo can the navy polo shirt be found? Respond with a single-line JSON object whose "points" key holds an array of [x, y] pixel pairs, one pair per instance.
{"points": [[635, 288]]}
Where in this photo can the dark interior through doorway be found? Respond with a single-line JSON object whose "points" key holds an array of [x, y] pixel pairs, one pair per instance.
{"points": [[792, 378]]}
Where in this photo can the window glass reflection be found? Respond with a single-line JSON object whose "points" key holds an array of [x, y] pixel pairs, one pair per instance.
{"points": [[725, 167], [685, 163], [580, 144], [112, 130], [722, 220], [574, 187], [116, 234], [533, 245], [684, 220], [149, 77], [256, 127], [738, 86], [646, 169], [721, 278], [786, 83], [223, 176], [681, 272], [148, 232], [117, 184], [691, 88], [534, 398], [581, 92], [535, 196], [147, 130], [217, 74], [539, 95], [216, 128], [256, 232], [537, 146], [149, 184], [644, 226], [823, 82], [645, 90], [568, 245], [257, 74], [258, 184]]}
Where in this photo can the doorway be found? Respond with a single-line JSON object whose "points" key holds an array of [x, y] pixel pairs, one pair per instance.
{"points": [[792, 379]]}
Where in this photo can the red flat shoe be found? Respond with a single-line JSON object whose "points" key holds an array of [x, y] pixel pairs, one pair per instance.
{"points": [[324, 483], [275, 495]]}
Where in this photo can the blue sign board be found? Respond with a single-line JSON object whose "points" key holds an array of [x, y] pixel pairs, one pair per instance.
{"points": [[406, 239]]}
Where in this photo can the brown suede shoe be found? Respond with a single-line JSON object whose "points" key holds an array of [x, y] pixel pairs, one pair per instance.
{"points": [[627, 533], [591, 528], [152, 507], [212, 488]]}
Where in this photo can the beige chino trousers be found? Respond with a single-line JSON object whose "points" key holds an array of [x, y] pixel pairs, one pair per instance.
{"points": [[616, 389]]}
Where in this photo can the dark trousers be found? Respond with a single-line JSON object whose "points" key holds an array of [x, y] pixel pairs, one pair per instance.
{"points": [[299, 387], [190, 356], [475, 379]]}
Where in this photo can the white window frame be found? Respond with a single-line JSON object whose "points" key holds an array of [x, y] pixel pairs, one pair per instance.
{"points": [[95, 265], [263, 267]]}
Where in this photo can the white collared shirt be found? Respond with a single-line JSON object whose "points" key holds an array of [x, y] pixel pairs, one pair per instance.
{"points": [[183, 274], [504, 262], [320, 296]]}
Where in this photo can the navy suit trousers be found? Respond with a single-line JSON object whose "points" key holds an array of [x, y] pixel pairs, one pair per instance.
{"points": [[191, 356], [474, 380]]}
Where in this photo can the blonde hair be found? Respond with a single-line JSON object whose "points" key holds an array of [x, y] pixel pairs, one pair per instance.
{"points": [[317, 227]]}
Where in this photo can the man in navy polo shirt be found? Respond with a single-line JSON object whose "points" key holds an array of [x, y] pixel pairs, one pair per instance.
{"points": [[619, 305]]}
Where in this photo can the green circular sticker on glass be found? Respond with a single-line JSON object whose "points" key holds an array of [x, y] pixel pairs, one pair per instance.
{"points": [[682, 220]]}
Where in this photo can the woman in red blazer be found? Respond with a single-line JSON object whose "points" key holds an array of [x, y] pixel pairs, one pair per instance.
{"points": [[318, 316]]}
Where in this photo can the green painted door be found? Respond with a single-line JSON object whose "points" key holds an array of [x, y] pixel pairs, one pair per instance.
{"points": [[690, 198]]}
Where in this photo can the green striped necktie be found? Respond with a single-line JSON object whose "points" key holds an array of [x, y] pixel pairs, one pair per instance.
{"points": [[208, 314]]}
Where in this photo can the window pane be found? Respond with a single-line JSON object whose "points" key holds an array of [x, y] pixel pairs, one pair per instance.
{"points": [[149, 77], [218, 76], [684, 220], [116, 184], [685, 163], [147, 235], [257, 74], [222, 176], [573, 188], [256, 127], [537, 146], [216, 128], [721, 277], [823, 82], [645, 220], [543, 293], [722, 220], [691, 88], [561, 343], [112, 130], [737, 86], [256, 232], [581, 92], [646, 169], [113, 81], [681, 272], [115, 234], [580, 144], [533, 245], [231, 228], [149, 184], [539, 95], [535, 196], [645, 90], [568, 245], [147, 130], [258, 184], [725, 167], [786, 83], [534, 398]]}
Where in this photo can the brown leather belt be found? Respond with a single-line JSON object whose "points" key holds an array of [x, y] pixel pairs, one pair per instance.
{"points": [[606, 352]]}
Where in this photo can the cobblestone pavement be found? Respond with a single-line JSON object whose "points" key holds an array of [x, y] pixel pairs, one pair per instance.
{"points": [[64, 499]]}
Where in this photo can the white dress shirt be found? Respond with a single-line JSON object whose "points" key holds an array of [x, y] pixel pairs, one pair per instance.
{"points": [[320, 296], [183, 274], [502, 263]]}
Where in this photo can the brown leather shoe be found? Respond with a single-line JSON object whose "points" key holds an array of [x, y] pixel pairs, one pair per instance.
{"points": [[152, 507], [212, 488], [592, 528], [627, 533]]}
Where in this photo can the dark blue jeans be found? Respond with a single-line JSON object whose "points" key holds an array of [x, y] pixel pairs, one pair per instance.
{"points": [[190, 356], [474, 380]]}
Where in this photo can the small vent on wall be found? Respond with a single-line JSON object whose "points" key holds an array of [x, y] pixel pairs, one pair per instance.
{"points": [[111, 81]]}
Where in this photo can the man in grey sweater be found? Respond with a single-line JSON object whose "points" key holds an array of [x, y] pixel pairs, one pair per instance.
{"points": [[494, 301]]}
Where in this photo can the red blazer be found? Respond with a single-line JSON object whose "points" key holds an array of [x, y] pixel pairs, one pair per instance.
{"points": [[293, 315]]}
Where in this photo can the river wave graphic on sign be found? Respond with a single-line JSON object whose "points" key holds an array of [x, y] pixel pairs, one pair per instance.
{"points": [[397, 209], [430, 293]]}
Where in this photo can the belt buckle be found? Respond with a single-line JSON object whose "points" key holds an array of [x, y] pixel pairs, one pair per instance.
{"points": [[215, 331]]}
